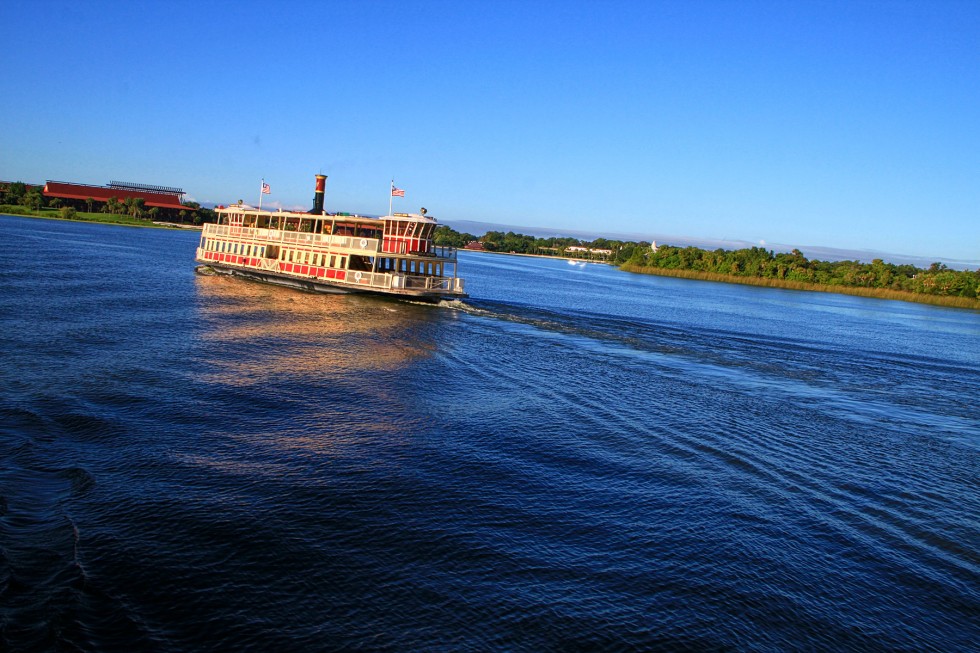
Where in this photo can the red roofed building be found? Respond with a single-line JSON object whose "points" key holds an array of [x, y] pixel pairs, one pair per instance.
{"points": [[162, 197]]}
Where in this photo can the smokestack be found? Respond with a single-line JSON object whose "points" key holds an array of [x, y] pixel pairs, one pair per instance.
{"points": [[321, 183]]}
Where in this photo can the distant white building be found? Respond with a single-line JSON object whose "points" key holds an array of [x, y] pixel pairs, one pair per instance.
{"points": [[590, 251]]}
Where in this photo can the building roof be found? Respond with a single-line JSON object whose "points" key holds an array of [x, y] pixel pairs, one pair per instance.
{"points": [[68, 190]]}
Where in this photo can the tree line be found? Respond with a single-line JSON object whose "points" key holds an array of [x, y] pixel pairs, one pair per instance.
{"points": [[514, 243], [791, 269], [759, 263]]}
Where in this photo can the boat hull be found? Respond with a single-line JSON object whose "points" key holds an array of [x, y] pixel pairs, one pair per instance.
{"points": [[325, 286]]}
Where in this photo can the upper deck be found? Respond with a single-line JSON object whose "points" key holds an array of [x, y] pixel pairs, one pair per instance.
{"points": [[400, 235]]}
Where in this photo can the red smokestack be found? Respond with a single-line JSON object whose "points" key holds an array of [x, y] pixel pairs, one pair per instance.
{"points": [[321, 184]]}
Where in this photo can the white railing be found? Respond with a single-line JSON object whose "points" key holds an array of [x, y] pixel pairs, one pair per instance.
{"points": [[445, 284], [445, 252], [281, 237]]}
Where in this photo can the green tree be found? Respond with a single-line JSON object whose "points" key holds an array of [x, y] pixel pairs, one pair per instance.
{"points": [[444, 236], [68, 212], [89, 202], [15, 193], [135, 206], [33, 200]]}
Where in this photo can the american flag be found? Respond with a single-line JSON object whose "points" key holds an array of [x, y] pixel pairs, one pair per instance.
{"points": [[397, 192], [265, 188]]}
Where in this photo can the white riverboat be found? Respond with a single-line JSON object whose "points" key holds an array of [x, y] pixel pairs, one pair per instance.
{"points": [[332, 252]]}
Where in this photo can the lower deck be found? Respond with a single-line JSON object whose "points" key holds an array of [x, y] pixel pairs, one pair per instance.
{"points": [[338, 273]]}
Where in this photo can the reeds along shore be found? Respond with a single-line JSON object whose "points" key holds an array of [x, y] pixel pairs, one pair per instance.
{"points": [[878, 293]]}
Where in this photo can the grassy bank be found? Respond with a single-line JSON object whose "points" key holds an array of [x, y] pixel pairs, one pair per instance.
{"points": [[877, 293], [80, 216]]}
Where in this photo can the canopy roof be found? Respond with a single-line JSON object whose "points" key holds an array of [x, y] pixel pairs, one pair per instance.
{"points": [[346, 217], [68, 190]]}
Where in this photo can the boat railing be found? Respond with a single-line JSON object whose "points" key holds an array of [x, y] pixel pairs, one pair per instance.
{"points": [[445, 252], [446, 284], [301, 238], [370, 279], [282, 237]]}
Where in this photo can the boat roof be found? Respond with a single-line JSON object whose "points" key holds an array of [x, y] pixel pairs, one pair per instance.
{"points": [[350, 217]]}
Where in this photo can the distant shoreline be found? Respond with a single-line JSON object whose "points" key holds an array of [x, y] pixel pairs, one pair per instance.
{"points": [[83, 218], [858, 291], [560, 258]]}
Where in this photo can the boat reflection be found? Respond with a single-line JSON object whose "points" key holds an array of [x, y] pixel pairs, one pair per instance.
{"points": [[254, 333]]}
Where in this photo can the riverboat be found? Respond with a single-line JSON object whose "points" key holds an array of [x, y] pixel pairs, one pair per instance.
{"points": [[332, 252]]}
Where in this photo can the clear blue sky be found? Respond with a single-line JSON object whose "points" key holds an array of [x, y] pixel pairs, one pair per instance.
{"points": [[840, 124]]}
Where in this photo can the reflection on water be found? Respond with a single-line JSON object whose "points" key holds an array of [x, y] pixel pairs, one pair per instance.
{"points": [[276, 331], [308, 373]]}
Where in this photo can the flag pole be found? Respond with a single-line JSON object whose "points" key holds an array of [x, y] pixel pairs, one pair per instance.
{"points": [[261, 186], [391, 193]]}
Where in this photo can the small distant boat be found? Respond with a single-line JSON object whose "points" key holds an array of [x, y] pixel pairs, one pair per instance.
{"points": [[332, 252], [580, 264]]}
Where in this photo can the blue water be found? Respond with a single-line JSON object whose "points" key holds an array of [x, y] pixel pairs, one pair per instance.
{"points": [[575, 458]]}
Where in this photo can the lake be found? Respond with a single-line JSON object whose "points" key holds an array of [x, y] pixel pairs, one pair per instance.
{"points": [[575, 458]]}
